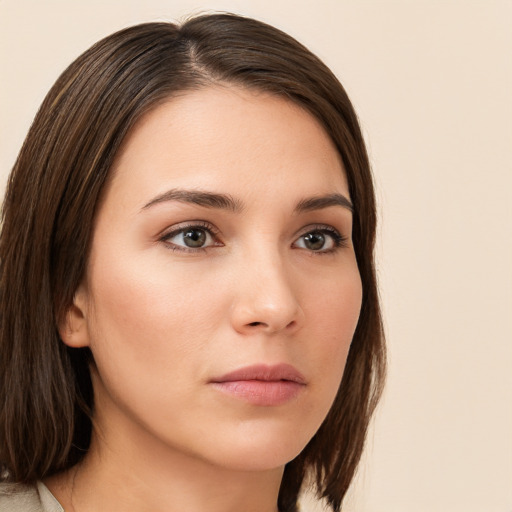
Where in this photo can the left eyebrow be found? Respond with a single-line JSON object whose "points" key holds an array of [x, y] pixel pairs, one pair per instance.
{"points": [[227, 202], [321, 202]]}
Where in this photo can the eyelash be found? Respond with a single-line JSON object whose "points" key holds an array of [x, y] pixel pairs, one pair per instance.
{"points": [[338, 239], [201, 225]]}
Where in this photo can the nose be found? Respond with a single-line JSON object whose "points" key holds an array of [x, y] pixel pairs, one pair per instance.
{"points": [[266, 298]]}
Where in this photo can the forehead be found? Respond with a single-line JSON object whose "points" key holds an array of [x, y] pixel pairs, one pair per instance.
{"points": [[228, 139]]}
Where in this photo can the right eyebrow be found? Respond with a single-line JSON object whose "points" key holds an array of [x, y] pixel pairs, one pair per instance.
{"points": [[198, 197]]}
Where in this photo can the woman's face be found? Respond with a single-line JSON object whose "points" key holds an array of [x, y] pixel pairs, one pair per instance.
{"points": [[222, 290]]}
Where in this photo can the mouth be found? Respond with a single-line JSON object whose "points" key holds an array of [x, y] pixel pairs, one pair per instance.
{"points": [[262, 385]]}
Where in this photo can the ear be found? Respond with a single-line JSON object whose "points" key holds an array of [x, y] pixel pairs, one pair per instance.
{"points": [[74, 328]]}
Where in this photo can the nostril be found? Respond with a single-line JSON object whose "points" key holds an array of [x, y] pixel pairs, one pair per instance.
{"points": [[255, 324]]}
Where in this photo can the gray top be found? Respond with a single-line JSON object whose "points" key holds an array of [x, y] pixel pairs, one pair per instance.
{"points": [[27, 498]]}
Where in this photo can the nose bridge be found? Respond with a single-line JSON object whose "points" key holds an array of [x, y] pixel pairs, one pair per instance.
{"points": [[266, 298]]}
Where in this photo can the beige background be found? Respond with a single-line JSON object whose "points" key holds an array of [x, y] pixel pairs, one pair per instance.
{"points": [[432, 82]]}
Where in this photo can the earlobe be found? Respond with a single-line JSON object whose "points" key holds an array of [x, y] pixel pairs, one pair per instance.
{"points": [[73, 328]]}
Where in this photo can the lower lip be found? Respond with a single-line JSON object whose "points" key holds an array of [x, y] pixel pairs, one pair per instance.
{"points": [[259, 392]]}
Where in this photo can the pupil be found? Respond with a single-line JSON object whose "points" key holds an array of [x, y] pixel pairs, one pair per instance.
{"points": [[314, 241], [194, 238]]}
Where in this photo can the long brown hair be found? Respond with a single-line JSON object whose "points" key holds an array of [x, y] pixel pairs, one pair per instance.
{"points": [[48, 216]]}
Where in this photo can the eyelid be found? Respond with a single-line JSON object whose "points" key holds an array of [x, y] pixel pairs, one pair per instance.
{"points": [[176, 229], [340, 240]]}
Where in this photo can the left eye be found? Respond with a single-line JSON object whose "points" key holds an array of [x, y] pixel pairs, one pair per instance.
{"points": [[191, 238], [319, 241]]}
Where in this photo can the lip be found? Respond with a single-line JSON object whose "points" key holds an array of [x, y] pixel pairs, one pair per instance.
{"points": [[264, 385]]}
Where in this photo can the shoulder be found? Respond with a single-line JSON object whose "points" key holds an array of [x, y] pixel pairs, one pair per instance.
{"points": [[18, 497], [27, 498]]}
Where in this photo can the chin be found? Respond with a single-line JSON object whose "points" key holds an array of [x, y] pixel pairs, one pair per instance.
{"points": [[260, 449]]}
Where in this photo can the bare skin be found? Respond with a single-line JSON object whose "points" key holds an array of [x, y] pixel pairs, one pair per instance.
{"points": [[223, 242]]}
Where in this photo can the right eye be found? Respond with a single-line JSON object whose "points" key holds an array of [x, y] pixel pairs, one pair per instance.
{"points": [[190, 238]]}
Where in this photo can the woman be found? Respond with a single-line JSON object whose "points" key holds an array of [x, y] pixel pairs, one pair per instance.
{"points": [[189, 309]]}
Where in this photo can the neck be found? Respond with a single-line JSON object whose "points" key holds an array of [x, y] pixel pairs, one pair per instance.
{"points": [[126, 469], [176, 482]]}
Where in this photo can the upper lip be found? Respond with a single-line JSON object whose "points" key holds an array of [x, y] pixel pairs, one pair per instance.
{"points": [[263, 372]]}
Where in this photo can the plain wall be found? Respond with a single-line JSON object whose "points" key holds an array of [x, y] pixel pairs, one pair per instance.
{"points": [[432, 83]]}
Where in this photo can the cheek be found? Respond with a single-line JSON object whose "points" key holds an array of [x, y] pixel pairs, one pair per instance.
{"points": [[336, 316], [149, 332], [334, 311], [137, 289], [146, 318]]}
